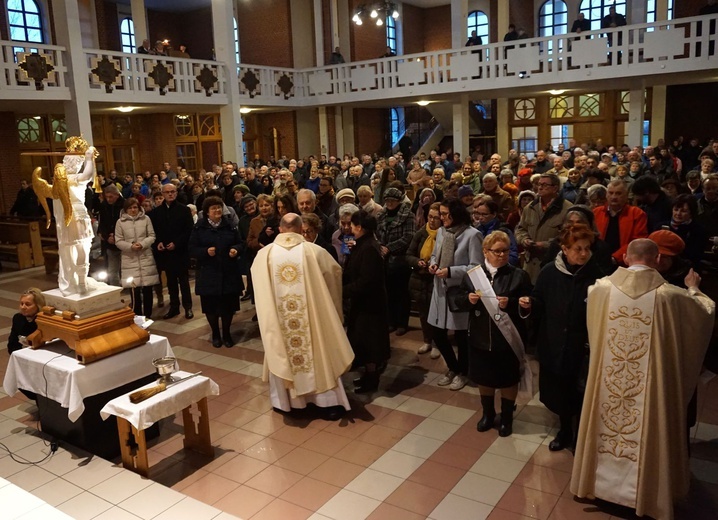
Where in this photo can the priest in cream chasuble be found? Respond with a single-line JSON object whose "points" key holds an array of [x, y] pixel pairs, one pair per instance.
{"points": [[298, 293], [648, 339]]}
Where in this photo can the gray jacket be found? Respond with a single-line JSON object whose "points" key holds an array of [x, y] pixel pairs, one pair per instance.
{"points": [[138, 265]]}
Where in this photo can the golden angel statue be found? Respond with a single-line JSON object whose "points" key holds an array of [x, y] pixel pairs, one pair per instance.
{"points": [[74, 226]]}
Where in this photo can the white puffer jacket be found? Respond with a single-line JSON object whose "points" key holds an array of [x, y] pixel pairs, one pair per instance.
{"points": [[138, 265]]}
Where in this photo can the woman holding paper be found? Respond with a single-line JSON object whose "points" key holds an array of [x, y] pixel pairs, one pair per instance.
{"points": [[491, 293]]}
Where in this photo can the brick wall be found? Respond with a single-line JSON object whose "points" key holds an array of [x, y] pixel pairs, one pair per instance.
{"points": [[327, 33], [413, 27], [265, 32], [521, 17], [286, 124], [108, 25], [10, 172], [368, 41], [683, 103], [686, 8], [371, 130], [437, 28], [156, 141]]}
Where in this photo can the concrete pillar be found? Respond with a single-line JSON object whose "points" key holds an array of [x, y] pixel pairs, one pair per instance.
{"points": [[503, 130], [347, 131], [459, 15], [460, 112], [635, 117], [69, 35], [658, 113], [340, 27], [661, 11], [302, 33], [308, 131], [323, 131], [223, 29], [139, 19], [503, 19], [319, 33], [339, 132]]}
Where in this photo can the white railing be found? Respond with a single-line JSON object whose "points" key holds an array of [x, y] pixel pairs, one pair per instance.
{"points": [[32, 70], [634, 51], [141, 78]]}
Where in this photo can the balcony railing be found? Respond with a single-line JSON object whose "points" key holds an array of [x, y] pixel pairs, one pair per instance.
{"points": [[141, 78], [26, 69], [666, 47]]}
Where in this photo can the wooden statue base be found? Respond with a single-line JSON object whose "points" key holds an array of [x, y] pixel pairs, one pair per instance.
{"points": [[91, 338]]}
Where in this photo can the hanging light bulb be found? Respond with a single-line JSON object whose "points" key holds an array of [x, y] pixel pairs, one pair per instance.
{"points": [[358, 21], [395, 14], [379, 22], [374, 13], [355, 18]]}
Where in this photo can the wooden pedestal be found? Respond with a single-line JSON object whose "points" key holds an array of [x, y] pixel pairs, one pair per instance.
{"points": [[92, 338], [133, 446]]}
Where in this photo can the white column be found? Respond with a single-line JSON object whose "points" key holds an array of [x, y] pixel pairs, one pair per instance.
{"points": [[348, 131], [658, 113], [319, 33], [339, 132], [139, 19], [503, 19], [460, 112], [340, 27], [503, 137], [69, 35], [302, 33], [223, 28], [635, 117], [459, 15], [323, 131], [661, 10], [308, 131]]}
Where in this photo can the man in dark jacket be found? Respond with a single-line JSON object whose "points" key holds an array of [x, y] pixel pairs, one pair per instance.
{"points": [[173, 225], [649, 196], [108, 214], [26, 204]]}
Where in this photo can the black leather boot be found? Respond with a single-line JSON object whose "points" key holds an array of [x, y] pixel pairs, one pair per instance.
{"points": [[369, 383], [487, 420], [507, 417]]}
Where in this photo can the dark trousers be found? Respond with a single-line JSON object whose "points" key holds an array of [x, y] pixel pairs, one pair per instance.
{"points": [[142, 301], [458, 365], [397, 289], [178, 280]]}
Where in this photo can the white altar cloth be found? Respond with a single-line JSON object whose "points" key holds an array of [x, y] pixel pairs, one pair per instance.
{"points": [[68, 382], [175, 399]]}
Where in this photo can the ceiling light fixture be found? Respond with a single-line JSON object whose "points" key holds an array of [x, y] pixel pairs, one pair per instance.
{"points": [[556, 92], [422, 103], [378, 11], [245, 110], [124, 110]]}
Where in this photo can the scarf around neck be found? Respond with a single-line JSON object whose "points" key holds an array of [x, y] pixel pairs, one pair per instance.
{"points": [[429, 243], [448, 246]]}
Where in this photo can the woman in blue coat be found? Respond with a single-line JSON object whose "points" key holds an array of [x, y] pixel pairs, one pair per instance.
{"points": [[215, 243]]}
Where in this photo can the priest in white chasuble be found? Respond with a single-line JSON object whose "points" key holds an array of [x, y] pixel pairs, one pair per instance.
{"points": [[648, 339], [298, 292]]}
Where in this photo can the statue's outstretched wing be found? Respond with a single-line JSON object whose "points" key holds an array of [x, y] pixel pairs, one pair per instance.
{"points": [[43, 190], [61, 191]]}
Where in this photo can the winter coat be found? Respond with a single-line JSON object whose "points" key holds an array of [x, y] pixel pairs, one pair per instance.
{"points": [[138, 265], [468, 254], [173, 224], [540, 228], [395, 234], [219, 274], [421, 280]]}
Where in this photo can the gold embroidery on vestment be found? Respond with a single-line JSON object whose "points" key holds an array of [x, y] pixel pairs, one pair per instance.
{"points": [[622, 377], [288, 273], [292, 312]]}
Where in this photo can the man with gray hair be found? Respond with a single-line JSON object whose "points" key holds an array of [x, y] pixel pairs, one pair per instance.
{"points": [[648, 339], [502, 198], [108, 214], [298, 293], [307, 202]]}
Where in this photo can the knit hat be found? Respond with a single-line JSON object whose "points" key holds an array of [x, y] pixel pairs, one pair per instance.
{"points": [[526, 193], [246, 199], [465, 191], [346, 192], [241, 187], [668, 242], [393, 193], [526, 171]]}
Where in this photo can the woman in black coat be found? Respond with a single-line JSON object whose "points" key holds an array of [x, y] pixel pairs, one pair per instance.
{"points": [[559, 309], [365, 287], [215, 243], [492, 361]]}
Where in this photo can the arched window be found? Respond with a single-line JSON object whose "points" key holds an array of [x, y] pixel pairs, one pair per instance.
{"points": [[391, 34], [651, 11], [396, 125], [479, 22], [127, 35], [25, 21], [553, 18], [595, 10], [236, 41]]}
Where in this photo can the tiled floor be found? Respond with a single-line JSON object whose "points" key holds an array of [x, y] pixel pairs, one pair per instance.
{"points": [[410, 451]]}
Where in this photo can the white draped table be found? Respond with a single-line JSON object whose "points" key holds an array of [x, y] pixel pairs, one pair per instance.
{"points": [[53, 372]]}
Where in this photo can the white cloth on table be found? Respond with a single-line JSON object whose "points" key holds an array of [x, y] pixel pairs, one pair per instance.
{"points": [[282, 400], [174, 399], [53, 372]]}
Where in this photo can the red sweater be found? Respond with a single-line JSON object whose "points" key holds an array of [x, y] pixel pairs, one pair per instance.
{"points": [[632, 224]]}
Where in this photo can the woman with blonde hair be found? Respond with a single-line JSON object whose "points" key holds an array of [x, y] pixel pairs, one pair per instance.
{"points": [[367, 202]]}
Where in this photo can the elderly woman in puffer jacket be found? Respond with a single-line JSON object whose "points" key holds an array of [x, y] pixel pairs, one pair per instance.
{"points": [[134, 236]]}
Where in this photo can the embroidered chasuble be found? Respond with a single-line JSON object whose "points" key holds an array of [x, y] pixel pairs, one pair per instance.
{"points": [[648, 339], [298, 301]]}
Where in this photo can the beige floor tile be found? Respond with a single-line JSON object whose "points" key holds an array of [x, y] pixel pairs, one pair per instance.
{"points": [[56, 491], [436, 429], [189, 509], [417, 445], [120, 487], [454, 507], [84, 506], [513, 448], [151, 501], [210, 488], [374, 484], [498, 467], [347, 505], [398, 464]]}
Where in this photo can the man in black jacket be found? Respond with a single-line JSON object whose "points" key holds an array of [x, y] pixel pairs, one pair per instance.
{"points": [[173, 225], [108, 215]]}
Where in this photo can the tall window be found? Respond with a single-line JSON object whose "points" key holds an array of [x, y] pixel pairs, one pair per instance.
{"points": [[651, 11], [396, 124], [553, 18], [391, 33], [236, 41], [127, 35], [594, 10], [25, 21], [479, 22]]}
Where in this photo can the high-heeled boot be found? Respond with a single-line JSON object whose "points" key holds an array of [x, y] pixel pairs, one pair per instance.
{"points": [[507, 417], [487, 420]]}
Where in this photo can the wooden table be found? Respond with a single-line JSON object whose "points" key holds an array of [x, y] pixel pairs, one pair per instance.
{"points": [[132, 419]]}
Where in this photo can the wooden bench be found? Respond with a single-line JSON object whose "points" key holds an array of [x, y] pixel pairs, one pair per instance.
{"points": [[21, 243]]}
